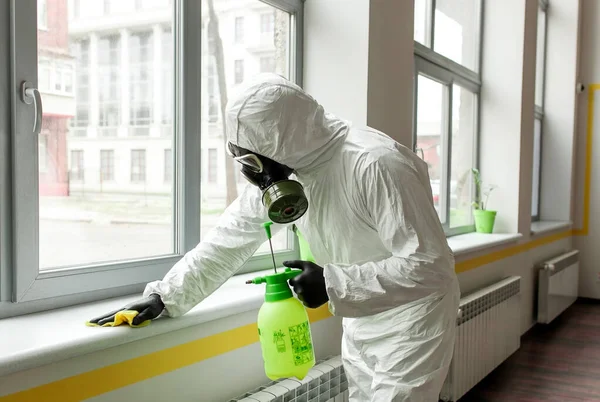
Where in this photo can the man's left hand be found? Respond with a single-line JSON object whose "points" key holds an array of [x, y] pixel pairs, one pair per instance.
{"points": [[310, 284]]}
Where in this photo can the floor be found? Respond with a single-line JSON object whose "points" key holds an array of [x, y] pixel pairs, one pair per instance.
{"points": [[559, 362]]}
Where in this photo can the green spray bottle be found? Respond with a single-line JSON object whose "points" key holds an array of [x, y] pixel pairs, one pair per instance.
{"points": [[283, 327]]}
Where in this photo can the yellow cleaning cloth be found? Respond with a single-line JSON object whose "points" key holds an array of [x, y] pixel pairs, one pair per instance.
{"points": [[122, 317]]}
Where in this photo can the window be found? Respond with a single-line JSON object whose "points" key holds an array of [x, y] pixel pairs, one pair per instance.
{"points": [[212, 165], [267, 64], [267, 23], [43, 152], [168, 177], [107, 165], [42, 14], [140, 83], [109, 96], [239, 30], [80, 50], [107, 7], [539, 110], [102, 225], [239, 71], [448, 30], [138, 165], [211, 88], [77, 166], [167, 77], [446, 105]]}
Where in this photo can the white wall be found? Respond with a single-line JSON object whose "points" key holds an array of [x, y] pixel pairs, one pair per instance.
{"points": [[336, 46], [590, 74]]}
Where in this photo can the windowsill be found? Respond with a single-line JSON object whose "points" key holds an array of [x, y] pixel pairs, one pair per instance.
{"points": [[471, 242], [24, 346], [543, 227], [43, 338]]}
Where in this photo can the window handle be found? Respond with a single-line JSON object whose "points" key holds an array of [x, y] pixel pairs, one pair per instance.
{"points": [[29, 95]]}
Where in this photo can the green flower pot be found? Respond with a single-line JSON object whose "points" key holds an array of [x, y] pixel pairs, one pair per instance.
{"points": [[484, 220]]}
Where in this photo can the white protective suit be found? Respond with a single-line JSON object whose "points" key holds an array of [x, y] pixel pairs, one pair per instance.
{"points": [[371, 224]]}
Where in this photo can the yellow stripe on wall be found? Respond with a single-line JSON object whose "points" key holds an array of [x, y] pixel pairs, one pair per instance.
{"points": [[110, 378]]}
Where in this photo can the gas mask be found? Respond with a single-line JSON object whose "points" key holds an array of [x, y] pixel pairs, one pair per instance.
{"points": [[283, 198]]}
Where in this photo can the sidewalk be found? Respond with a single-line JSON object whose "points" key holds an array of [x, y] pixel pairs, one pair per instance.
{"points": [[130, 209]]}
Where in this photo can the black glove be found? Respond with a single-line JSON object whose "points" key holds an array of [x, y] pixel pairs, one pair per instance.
{"points": [[310, 284], [148, 308]]}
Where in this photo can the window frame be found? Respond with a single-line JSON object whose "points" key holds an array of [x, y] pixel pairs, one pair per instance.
{"points": [[24, 288], [448, 72], [538, 113]]}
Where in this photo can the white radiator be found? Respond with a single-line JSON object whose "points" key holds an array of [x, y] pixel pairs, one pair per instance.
{"points": [[488, 332], [558, 285], [326, 382]]}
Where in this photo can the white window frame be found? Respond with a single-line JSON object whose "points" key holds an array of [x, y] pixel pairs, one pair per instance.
{"points": [[23, 287], [439, 68], [539, 109]]}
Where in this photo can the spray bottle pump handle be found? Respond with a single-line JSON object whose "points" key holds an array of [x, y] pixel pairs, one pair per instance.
{"points": [[288, 274]]}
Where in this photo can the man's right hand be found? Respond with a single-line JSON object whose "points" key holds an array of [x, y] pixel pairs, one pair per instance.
{"points": [[148, 308]]}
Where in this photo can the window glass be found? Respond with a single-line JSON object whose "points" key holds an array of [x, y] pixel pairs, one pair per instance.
{"points": [[263, 48], [456, 31], [430, 144], [103, 195], [537, 149], [462, 156], [422, 29], [540, 58]]}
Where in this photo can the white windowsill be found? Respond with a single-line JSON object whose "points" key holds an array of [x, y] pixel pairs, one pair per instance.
{"points": [[64, 335], [541, 227], [471, 242], [42, 338]]}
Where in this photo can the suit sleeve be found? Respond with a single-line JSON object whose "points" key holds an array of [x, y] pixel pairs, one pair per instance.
{"points": [[201, 271]]}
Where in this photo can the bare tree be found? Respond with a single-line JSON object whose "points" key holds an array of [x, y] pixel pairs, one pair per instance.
{"points": [[216, 50]]}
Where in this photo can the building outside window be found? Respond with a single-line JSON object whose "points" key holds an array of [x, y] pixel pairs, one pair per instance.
{"points": [[140, 83], [109, 105], [267, 64], [107, 165], [239, 30], [138, 165], [77, 166], [168, 171], [212, 165], [267, 23], [239, 71], [80, 50]]}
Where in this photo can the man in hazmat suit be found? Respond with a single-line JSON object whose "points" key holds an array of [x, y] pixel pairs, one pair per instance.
{"points": [[364, 204]]}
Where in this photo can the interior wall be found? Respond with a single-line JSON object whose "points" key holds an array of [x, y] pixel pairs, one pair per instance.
{"points": [[588, 140]]}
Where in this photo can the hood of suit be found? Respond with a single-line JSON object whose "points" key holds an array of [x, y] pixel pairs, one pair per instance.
{"points": [[270, 116]]}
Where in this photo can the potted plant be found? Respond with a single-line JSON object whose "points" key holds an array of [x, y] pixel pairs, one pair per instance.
{"points": [[484, 218]]}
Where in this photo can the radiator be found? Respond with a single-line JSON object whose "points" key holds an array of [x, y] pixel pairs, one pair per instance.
{"points": [[326, 382], [558, 285], [488, 332]]}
